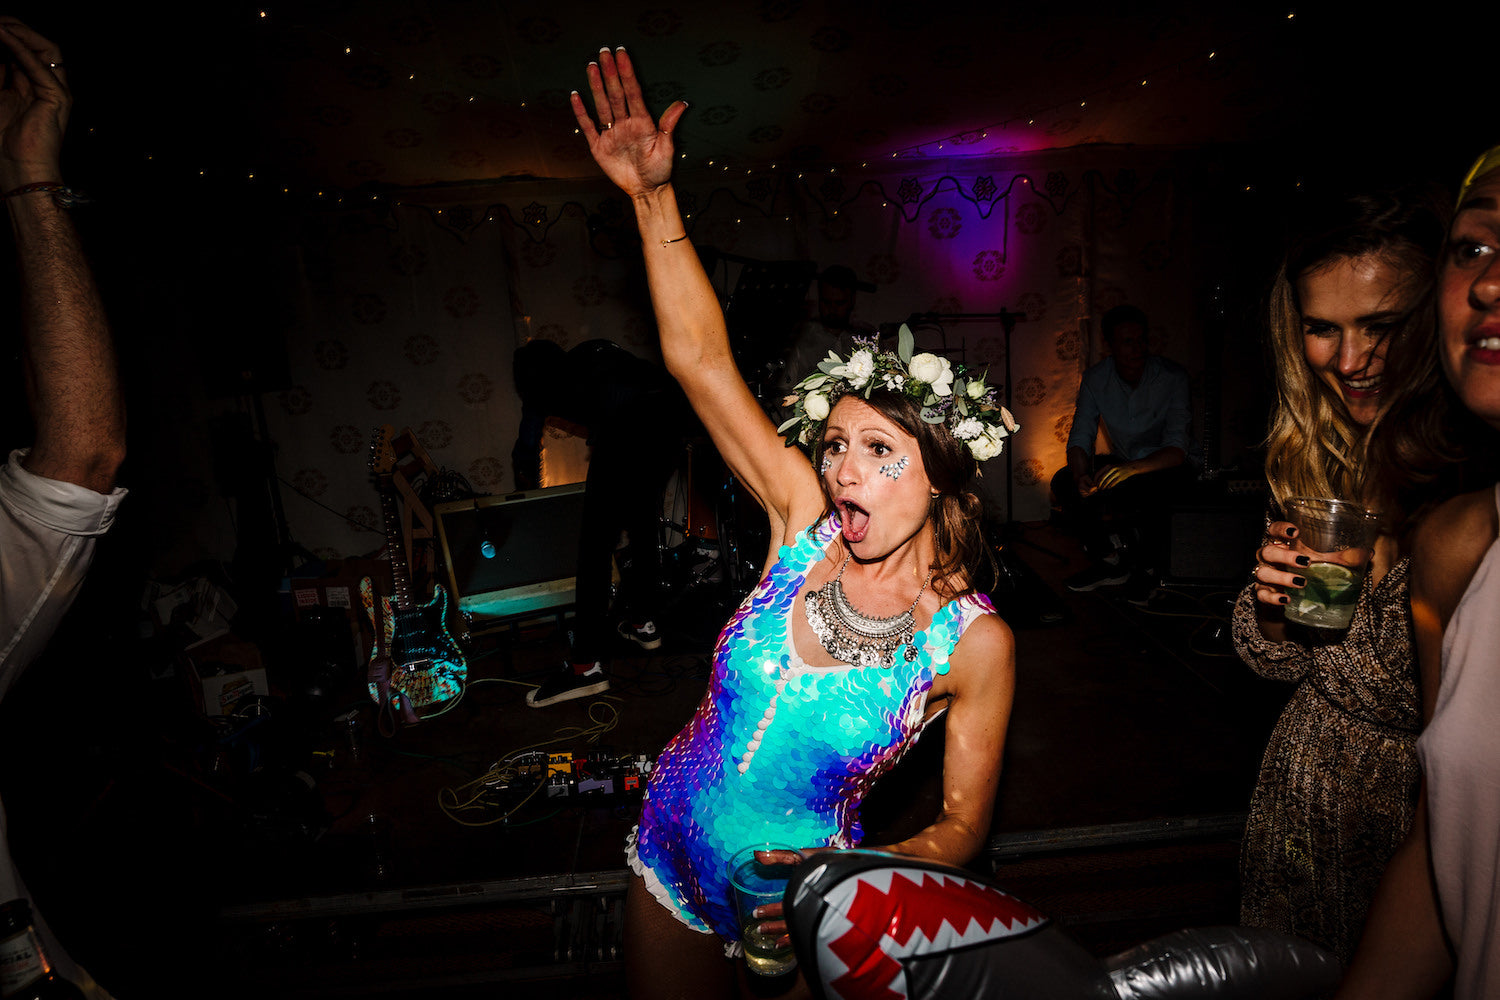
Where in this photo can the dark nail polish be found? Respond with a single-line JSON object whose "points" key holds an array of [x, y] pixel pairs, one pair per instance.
{"points": [[1282, 599], [1299, 581], [1303, 561], [1291, 532]]}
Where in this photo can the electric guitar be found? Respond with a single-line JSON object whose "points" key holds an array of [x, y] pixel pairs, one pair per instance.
{"points": [[412, 655]]}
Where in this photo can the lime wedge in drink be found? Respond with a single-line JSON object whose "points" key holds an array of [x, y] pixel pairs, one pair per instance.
{"points": [[1330, 584]]}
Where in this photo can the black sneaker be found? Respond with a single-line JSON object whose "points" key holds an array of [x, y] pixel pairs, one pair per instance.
{"points": [[1096, 576], [643, 635], [566, 684]]}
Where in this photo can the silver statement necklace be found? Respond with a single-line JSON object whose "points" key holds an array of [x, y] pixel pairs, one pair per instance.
{"points": [[852, 637]]}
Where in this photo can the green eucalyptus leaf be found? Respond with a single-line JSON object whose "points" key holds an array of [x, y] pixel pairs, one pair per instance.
{"points": [[931, 415], [905, 342]]}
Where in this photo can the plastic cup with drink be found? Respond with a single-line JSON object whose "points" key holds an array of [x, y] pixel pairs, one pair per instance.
{"points": [[756, 883], [1338, 537]]}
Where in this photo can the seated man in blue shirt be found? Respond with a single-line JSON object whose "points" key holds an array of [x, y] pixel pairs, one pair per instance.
{"points": [[1118, 501]]}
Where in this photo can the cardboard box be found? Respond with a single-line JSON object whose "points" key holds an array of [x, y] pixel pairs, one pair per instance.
{"points": [[225, 670]]}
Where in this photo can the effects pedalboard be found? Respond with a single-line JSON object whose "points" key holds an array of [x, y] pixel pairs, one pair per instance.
{"points": [[575, 777]]}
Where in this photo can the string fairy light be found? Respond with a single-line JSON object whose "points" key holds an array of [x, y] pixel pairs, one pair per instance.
{"points": [[353, 48], [916, 149]]}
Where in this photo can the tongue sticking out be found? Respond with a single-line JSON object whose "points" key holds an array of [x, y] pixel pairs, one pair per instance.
{"points": [[855, 522]]}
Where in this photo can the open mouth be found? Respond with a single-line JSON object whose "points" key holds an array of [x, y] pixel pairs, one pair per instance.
{"points": [[854, 520], [1484, 345], [1359, 387]]}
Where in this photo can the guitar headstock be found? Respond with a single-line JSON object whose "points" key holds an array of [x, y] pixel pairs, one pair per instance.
{"points": [[383, 451]]}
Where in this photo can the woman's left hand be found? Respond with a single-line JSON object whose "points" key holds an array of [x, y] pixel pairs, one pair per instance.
{"points": [[633, 150], [773, 915]]}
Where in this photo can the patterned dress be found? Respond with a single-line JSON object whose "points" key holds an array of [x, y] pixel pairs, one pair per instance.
{"points": [[777, 751], [1339, 779]]}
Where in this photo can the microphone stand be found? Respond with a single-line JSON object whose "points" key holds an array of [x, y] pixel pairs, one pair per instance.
{"points": [[1013, 574], [1008, 320]]}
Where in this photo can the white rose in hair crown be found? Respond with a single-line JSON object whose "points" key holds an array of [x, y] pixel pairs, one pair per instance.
{"points": [[947, 393]]}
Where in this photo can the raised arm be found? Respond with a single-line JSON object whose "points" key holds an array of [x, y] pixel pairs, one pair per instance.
{"points": [[71, 379], [636, 153]]}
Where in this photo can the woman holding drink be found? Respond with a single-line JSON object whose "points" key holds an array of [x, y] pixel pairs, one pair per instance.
{"points": [[1337, 783], [866, 624]]}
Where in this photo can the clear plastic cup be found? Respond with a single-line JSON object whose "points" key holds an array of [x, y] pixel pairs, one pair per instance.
{"points": [[1338, 537], [754, 884]]}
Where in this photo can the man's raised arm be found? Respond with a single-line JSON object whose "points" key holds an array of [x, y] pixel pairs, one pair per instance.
{"points": [[72, 381]]}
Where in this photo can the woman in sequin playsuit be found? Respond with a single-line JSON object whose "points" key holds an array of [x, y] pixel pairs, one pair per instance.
{"points": [[789, 737]]}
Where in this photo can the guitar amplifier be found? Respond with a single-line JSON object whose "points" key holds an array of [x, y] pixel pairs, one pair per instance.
{"points": [[512, 555], [1214, 543]]}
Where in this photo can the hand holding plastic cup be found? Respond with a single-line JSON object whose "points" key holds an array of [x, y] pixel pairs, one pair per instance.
{"points": [[758, 883], [1338, 538]]}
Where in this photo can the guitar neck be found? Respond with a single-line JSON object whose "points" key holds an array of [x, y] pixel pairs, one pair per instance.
{"points": [[395, 545]]}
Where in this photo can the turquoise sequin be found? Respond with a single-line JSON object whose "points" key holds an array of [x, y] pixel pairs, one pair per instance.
{"points": [[778, 752]]}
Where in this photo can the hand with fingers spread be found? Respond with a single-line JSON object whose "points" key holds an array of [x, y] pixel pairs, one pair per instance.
{"points": [[1278, 566], [34, 106], [631, 148]]}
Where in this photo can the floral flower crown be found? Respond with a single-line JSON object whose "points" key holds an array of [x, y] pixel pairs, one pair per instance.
{"points": [[947, 393]]}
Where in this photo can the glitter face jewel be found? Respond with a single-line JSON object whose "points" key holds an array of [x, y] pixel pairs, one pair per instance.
{"points": [[823, 471], [895, 469]]}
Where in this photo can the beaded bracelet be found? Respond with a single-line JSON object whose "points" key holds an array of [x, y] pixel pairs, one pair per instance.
{"points": [[65, 196]]}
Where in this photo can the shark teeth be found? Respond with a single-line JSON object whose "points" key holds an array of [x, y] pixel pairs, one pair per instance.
{"points": [[979, 913]]}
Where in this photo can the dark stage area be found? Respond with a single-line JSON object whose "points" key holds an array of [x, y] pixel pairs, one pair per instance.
{"points": [[304, 853]]}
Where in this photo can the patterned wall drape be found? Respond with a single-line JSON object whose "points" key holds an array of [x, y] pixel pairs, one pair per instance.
{"points": [[409, 313]]}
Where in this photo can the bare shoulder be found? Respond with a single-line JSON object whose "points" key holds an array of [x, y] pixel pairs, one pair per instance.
{"points": [[1449, 545], [986, 652], [1455, 534]]}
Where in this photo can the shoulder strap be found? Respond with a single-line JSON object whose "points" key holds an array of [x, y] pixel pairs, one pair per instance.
{"points": [[948, 626]]}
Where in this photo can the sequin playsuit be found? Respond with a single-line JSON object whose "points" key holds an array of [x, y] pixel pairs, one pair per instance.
{"points": [[777, 751]]}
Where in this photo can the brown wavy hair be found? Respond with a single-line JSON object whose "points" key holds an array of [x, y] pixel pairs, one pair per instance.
{"points": [[1425, 445], [1314, 447], [956, 512]]}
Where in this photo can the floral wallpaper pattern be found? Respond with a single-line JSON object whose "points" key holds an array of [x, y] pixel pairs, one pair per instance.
{"points": [[414, 316]]}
